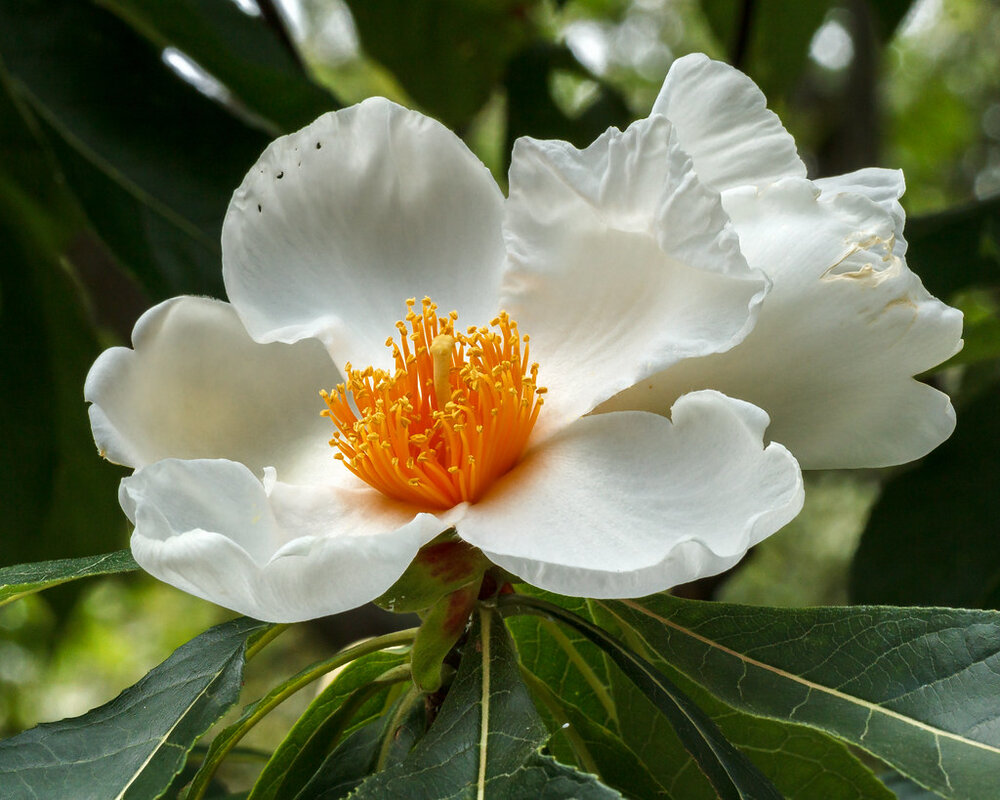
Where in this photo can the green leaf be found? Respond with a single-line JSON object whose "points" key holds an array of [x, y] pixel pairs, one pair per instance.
{"points": [[790, 22], [295, 759], [231, 735], [531, 110], [66, 500], [386, 740], [579, 741], [918, 688], [449, 55], [956, 249], [349, 764], [485, 740], [24, 579], [238, 50], [904, 789], [728, 770], [803, 763], [152, 161], [133, 746], [932, 537]]}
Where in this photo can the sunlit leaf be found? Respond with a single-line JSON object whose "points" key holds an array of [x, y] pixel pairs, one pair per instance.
{"points": [[133, 746], [918, 688]]}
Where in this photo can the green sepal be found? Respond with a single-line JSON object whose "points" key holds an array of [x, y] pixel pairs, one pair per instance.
{"points": [[441, 629], [440, 568]]}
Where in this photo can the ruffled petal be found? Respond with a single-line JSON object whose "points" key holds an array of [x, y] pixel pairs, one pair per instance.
{"points": [[337, 224], [626, 504], [620, 263], [723, 122], [844, 328], [196, 386], [884, 186], [210, 528]]}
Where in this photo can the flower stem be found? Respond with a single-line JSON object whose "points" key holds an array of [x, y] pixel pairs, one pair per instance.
{"points": [[264, 639]]}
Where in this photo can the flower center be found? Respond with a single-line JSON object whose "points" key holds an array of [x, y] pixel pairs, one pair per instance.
{"points": [[452, 417]]}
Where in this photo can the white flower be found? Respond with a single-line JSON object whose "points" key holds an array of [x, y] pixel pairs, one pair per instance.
{"points": [[624, 264]]}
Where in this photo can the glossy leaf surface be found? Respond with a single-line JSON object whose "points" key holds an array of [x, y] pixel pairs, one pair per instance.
{"points": [[617, 725], [918, 688]]}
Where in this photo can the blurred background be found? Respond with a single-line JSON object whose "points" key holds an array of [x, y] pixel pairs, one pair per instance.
{"points": [[126, 124]]}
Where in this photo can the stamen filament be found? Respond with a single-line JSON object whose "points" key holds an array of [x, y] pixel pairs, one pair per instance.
{"points": [[453, 415]]}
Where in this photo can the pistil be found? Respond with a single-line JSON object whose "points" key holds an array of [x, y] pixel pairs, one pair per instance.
{"points": [[453, 416]]}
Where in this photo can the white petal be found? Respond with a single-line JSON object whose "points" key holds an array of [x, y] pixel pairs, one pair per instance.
{"points": [[884, 186], [722, 120], [210, 529], [196, 386], [844, 328], [620, 263], [626, 504], [330, 242]]}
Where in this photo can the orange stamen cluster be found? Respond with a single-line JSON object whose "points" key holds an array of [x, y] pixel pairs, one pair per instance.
{"points": [[452, 417]]}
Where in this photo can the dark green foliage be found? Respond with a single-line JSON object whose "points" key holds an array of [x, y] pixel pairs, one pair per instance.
{"points": [[918, 688], [932, 537], [152, 161], [486, 736], [133, 746]]}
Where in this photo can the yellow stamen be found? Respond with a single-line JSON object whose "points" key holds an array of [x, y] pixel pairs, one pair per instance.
{"points": [[452, 416]]}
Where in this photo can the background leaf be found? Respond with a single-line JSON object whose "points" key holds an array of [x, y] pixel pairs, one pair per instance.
{"points": [[932, 536], [133, 746], [154, 189], [792, 23], [264, 77], [447, 54], [956, 249], [60, 500]]}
